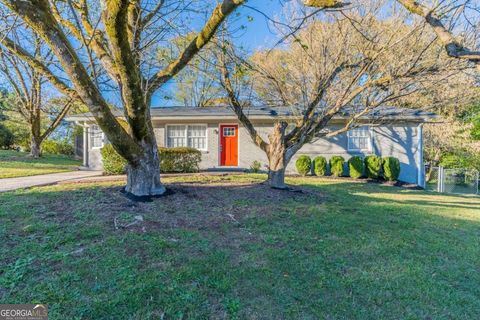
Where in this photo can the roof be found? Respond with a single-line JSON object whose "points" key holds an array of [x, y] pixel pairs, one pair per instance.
{"points": [[222, 112]]}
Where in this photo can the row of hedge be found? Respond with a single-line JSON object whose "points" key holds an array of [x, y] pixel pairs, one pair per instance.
{"points": [[371, 166], [171, 160]]}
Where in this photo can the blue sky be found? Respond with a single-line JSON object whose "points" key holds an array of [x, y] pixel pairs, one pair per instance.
{"points": [[255, 35]]}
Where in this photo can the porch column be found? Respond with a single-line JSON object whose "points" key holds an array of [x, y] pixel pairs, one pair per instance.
{"points": [[85, 145]]}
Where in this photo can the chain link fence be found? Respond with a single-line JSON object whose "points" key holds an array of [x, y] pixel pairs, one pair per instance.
{"points": [[460, 181]]}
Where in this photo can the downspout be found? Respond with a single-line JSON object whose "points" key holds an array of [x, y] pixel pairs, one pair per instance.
{"points": [[420, 164]]}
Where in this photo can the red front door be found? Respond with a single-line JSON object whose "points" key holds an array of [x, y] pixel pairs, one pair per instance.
{"points": [[229, 145]]}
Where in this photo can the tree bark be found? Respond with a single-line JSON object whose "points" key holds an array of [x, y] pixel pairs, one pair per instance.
{"points": [[35, 147], [276, 154], [143, 176], [276, 171]]}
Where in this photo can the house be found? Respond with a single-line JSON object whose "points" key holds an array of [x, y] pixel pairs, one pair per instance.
{"points": [[226, 145]]}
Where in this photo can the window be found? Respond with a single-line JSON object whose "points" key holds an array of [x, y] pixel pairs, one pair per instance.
{"points": [[96, 137], [229, 132], [193, 136], [359, 139]]}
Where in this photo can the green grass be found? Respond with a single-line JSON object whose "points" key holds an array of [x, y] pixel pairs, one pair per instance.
{"points": [[227, 247], [19, 164]]}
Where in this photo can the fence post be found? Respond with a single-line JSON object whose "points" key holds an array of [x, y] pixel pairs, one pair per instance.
{"points": [[478, 180], [440, 183]]}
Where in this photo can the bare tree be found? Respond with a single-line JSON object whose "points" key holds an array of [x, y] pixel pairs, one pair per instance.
{"points": [[347, 65], [28, 98], [114, 41]]}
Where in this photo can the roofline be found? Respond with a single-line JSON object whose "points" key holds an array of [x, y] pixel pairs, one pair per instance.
{"points": [[425, 118]]}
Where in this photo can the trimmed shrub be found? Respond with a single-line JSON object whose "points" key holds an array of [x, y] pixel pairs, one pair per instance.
{"points": [[255, 166], [356, 167], [304, 165], [6, 137], [320, 166], [180, 159], [57, 147], [113, 163], [391, 168], [171, 160], [373, 164], [336, 166]]}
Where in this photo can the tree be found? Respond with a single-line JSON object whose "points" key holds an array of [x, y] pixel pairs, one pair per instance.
{"points": [[114, 42], [28, 96], [347, 65]]}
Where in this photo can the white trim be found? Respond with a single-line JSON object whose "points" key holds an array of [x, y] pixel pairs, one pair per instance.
{"points": [[186, 133], [370, 139], [219, 152], [420, 164]]}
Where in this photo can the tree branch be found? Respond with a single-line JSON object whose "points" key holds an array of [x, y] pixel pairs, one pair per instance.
{"points": [[203, 37]]}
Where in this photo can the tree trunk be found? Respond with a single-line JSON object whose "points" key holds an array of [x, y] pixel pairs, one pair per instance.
{"points": [[277, 161], [276, 172], [143, 177], [35, 147]]}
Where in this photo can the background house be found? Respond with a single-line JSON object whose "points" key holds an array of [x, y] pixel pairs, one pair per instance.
{"points": [[225, 144]]}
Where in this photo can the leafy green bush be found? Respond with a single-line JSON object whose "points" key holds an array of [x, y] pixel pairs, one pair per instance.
{"points": [[356, 167], [320, 166], [373, 164], [255, 166], [180, 159], [336, 166], [113, 163], [171, 160], [391, 168], [6, 137], [304, 165], [57, 147]]}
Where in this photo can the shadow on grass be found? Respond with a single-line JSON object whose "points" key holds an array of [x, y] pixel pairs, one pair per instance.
{"points": [[225, 249]]}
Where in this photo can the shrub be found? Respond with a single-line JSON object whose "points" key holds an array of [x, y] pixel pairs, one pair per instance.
{"points": [[113, 163], [356, 167], [57, 147], [320, 166], [336, 166], [255, 166], [180, 159], [6, 137], [304, 165], [171, 160], [391, 168], [373, 164]]}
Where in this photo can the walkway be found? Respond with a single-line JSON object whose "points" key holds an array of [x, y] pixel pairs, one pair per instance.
{"points": [[10, 184]]}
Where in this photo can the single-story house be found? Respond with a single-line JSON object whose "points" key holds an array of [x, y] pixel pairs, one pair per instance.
{"points": [[226, 145]]}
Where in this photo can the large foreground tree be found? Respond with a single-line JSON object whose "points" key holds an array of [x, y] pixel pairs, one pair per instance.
{"points": [[112, 45]]}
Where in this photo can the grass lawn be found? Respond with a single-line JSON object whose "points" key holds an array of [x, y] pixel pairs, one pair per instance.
{"points": [[19, 164], [229, 247]]}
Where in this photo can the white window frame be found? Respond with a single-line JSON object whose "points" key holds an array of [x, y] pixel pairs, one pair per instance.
{"points": [[369, 137], [102, 135], [186, 125]]}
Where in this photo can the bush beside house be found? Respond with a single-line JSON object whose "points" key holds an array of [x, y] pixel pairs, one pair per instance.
{"points": [[356, 167], [391, 168], [304, 165], [336, 166], [320, 166], [373, 165], [171, 160]]}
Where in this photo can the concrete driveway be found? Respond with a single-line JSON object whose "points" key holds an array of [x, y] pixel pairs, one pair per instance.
{"points": [[10, 184]]}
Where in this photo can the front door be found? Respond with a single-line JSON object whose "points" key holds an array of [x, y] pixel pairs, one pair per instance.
{"points": [[229, 145]]}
